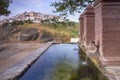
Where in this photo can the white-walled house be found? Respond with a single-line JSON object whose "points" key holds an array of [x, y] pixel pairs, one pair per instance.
{"points": [[35, 17]]}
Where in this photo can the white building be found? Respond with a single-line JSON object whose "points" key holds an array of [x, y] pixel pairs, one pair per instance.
{"points": [[74, 40]]}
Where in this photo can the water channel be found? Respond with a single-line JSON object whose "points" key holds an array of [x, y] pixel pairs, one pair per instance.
{"points": [[63, 62]]}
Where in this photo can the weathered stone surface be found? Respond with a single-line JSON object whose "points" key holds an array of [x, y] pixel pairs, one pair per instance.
{"points": [[89, 26], [45, 36], [91, 48], [81, 26], [15, 71], [107, 30], [112, 72], [24, 34], [7, 32], [105, 1], [29, 34]]}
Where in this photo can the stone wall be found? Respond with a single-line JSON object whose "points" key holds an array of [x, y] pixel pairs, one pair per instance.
{"points": [[106, 31], [87, 25], [107, 23], [81, 28]]}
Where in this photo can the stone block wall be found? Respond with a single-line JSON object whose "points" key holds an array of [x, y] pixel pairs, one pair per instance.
{"points": [[102, 25], [107, 31], [81, 27], [87, 24]]}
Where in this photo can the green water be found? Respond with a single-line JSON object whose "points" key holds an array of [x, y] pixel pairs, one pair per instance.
{"points": [[89, 71], [63, 62]]}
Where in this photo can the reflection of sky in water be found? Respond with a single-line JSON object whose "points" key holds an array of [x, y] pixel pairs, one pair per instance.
{"points": [[56, 53]]}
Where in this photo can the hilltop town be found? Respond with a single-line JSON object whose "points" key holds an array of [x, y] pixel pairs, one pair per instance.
{"points": [[35, 17]]}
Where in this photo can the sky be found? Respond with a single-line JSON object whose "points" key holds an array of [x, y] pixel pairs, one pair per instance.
{"points": [[43, 6]]}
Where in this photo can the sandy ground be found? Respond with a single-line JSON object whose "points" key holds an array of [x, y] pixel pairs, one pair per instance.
{"points": [[11, 53]]}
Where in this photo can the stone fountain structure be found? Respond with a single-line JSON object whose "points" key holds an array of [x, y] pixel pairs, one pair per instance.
{"points": [[100, 25], [99, 32]]}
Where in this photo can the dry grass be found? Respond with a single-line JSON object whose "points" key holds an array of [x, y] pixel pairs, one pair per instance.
{"points": [[59, 32]]}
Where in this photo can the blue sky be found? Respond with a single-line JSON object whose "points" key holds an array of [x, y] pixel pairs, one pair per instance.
{"points": [[43, 6]]}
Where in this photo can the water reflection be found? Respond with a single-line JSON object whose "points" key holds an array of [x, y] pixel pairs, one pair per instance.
{"points": [[89, 71], [63, 62], [62, 70], [62, 55]]}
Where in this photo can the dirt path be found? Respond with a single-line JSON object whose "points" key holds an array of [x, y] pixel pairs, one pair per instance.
{"points": [[11, 53]]}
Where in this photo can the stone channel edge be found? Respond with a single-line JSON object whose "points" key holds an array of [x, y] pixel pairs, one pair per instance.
{"points": [[16, 71]]}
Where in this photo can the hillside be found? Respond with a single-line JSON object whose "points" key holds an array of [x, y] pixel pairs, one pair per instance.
{"points": [[59, 32]]}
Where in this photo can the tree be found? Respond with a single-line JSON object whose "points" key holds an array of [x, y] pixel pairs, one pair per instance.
{"points": [[70, 6], [4, 4]]}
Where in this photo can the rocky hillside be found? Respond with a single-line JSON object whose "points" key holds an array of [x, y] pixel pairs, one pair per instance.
{"points": [[35, 32]]}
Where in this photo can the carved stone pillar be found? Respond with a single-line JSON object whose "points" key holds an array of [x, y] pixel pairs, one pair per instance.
{"points": [[107, 30], [81, 28], [89, 25]]}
